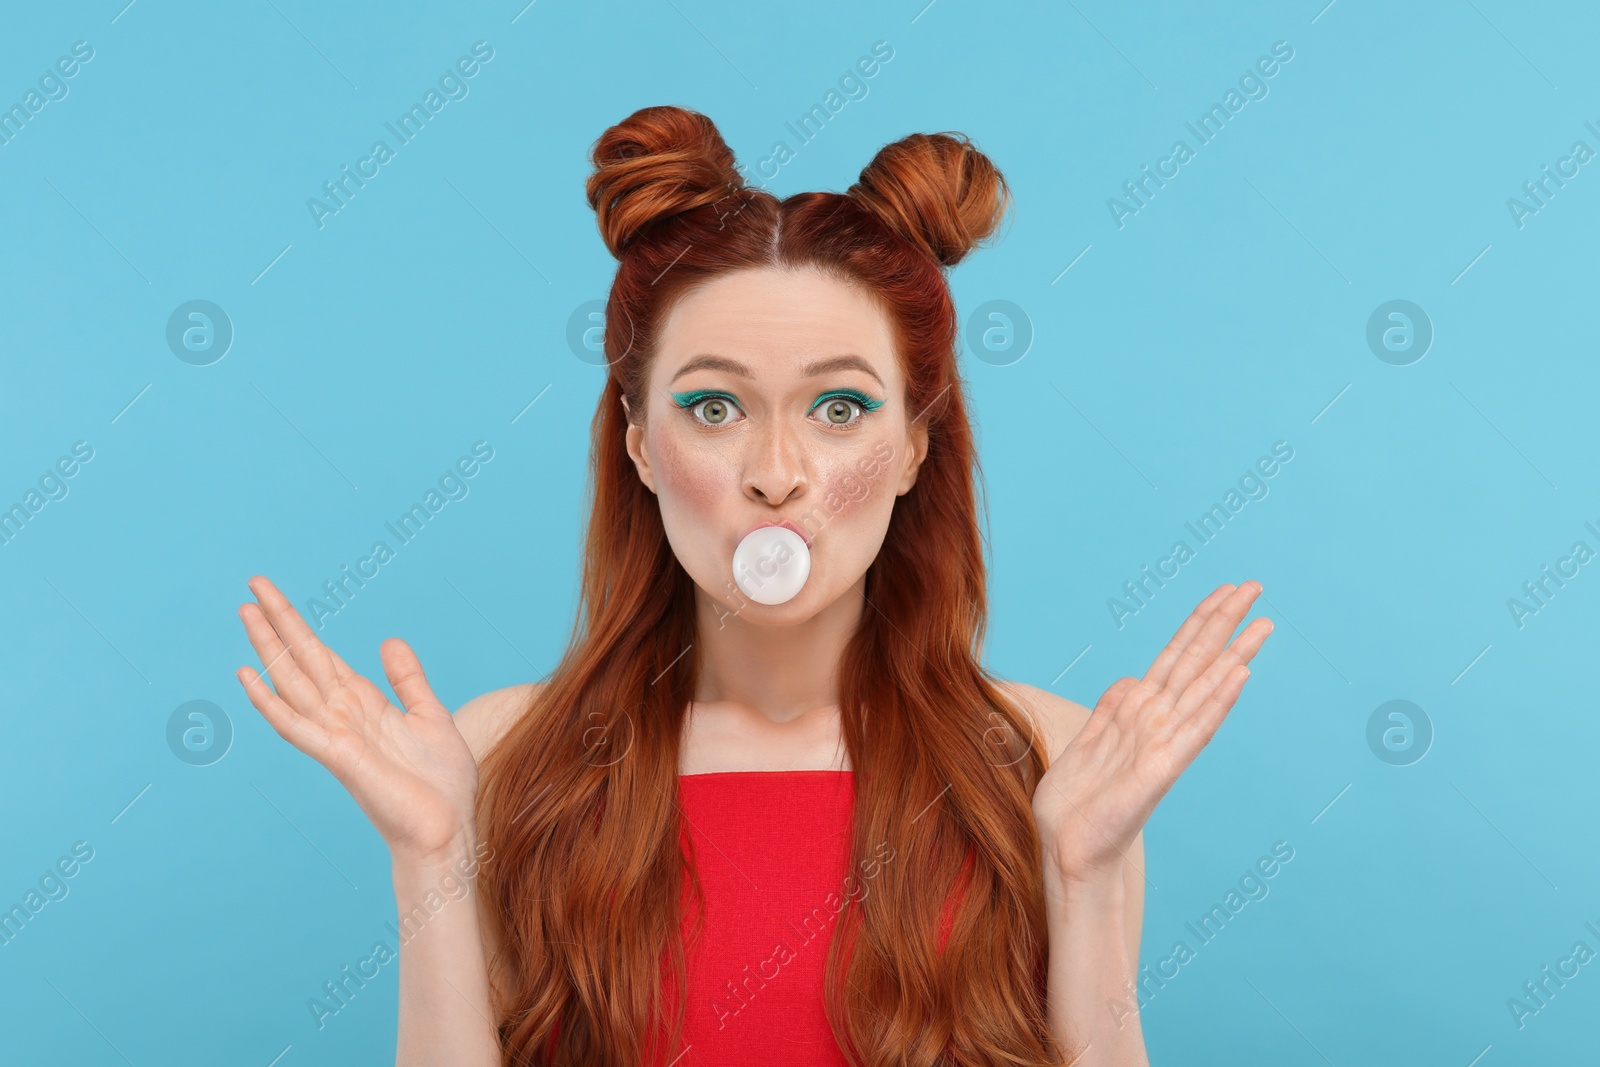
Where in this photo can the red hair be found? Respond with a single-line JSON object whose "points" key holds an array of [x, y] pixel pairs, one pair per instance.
{"points": [[579, 797]]}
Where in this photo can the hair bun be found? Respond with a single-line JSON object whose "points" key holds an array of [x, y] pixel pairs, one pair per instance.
{"points": [[937, 191], [656, 163]]}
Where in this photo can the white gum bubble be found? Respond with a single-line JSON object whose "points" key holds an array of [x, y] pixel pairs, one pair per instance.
{"points": [[771, 564]]}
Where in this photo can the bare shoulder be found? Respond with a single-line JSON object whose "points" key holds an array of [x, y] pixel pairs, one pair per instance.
{"points": [[484, 719], [1056, 720]]}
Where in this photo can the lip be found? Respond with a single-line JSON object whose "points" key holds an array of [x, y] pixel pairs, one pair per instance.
{"points": [[785, 523]]}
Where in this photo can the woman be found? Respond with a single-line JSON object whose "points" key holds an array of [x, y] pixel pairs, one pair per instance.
{"points": [[666, 811]]}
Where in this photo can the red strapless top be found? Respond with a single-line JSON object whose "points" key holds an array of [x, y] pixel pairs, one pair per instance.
{"points": [[773, 850]]}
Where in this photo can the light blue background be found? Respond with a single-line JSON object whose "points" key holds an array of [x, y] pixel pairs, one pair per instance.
{"points": [[1228, 314]]}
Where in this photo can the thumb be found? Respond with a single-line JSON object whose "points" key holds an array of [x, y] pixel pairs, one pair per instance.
{"points": [[405, 675]]}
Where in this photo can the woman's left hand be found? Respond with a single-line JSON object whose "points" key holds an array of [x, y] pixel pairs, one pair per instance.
{"points": [[1142, 734]]}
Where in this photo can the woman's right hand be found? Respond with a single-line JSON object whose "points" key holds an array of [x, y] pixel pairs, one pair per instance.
{"points": [[411, 771]]}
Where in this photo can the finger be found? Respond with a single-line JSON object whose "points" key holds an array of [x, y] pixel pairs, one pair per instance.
{"points": [[1241, 651], [310, 654], [290, 682], [1197, 730], [400, 663], [1213, 635], [290, 725], [1162, 666]]}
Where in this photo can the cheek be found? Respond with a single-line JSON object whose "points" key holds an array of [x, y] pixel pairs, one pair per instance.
{"points": [[688, 478], [864, 484]]}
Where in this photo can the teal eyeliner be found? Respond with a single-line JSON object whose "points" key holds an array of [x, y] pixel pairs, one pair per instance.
{"points": [[694, 396], [848, 394]]}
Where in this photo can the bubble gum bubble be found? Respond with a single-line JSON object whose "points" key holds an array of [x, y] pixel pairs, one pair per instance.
{"points": [[771, 564]]}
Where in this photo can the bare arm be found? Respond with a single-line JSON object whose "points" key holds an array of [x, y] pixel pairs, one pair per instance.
{"points": [[445, 1011], [447, 995], [1094, 928], [414, 773], [1094, 933], [1091, 994], [1090, 809]]}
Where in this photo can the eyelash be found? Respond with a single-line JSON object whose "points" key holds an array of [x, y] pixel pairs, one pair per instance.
{"points": [[867, 404]]}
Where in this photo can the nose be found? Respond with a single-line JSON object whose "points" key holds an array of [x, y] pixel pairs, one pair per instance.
{"points": [[775, 468]]}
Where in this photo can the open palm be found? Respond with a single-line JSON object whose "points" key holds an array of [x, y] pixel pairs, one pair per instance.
{"points": [[411, 772], [1142, 734]]}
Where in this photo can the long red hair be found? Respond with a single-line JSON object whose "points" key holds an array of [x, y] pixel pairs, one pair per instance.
{"points": [[579, 798]]}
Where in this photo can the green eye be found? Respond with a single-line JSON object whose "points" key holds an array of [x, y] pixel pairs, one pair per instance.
{"points": [[708, 407], [845, 408], [839, 411]]}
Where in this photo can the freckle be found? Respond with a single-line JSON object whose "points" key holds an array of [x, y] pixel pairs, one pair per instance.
{"points": [[850, 489], [687, 471]]}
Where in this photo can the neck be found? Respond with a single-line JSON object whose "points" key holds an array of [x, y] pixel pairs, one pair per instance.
{"points": [[781, 672]]}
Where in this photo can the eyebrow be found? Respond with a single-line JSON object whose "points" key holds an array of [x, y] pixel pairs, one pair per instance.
{"points": [[810, 370]]}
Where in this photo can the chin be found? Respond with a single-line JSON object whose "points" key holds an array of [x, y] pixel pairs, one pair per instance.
{"points": [[731, 602], [792, 613]]}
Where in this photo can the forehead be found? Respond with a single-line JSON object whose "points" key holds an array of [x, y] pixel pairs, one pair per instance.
{"points": [[772, 319]]}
